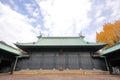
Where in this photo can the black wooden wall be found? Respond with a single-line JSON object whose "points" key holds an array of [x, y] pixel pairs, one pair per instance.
{"points": [[6, 61], [61, 59]]}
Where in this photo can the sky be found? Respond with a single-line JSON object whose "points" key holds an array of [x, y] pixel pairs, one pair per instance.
{"points": [[23, 20]]}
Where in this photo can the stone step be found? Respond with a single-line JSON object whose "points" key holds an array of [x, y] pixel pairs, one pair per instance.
{"points": [[73, 72]]}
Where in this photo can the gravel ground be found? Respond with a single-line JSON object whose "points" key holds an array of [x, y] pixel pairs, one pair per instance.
{"points": [[60, 77]]}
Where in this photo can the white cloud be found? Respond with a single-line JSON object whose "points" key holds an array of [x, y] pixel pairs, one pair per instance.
{"points": [[61, 15], [114, 5], [37, 30], [14, 27], [36, 13], [106, 12], [98, 9], [60, 18], [14, 6], [90, 37], [100, 19], [98, 13], [31, 8]]}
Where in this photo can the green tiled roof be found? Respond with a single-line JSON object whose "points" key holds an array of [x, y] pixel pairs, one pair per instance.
{"points": [[60, 41], [10, 49], [111, 49]]}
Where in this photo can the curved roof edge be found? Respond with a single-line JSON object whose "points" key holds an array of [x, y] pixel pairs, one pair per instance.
{"points": [[60, 41], [111, 49], [9, 48]]}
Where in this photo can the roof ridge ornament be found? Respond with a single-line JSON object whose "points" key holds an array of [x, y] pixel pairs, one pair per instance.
{"points": [[81, 36], [40, 35]]}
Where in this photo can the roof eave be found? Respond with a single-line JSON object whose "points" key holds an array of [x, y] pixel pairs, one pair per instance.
{"points": [[10, 49]]}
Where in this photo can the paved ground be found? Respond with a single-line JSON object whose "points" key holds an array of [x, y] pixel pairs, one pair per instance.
{"points": [[59, 77]]}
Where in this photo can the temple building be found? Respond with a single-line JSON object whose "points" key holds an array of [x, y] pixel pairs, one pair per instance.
{"points": [[67, 53], [112, 55], [8, 56], [59, 53]]}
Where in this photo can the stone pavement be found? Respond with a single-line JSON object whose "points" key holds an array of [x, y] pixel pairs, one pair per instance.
{"points": [[60, 77], [78, 72]]}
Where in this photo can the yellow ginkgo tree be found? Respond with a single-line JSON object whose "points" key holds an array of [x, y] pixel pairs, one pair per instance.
{"points": [[110, 34]]}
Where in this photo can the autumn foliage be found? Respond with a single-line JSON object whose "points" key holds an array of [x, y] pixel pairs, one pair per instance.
{"points": [[110, 34]]}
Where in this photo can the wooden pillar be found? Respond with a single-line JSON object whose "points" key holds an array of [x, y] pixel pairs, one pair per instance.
{"points": [[0, 59], [109, 65], [12, 67], [92, 60]]}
